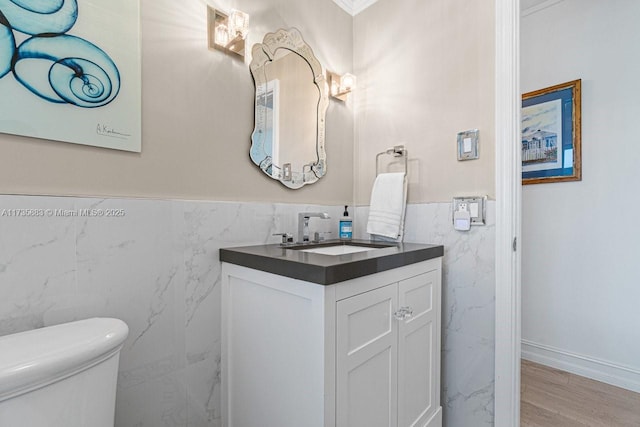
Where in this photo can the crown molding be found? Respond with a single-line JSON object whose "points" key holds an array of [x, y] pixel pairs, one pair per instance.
{"points": [[360, 5], [354, 7]]}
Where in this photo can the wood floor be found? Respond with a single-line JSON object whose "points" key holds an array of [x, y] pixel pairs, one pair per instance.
{"points": [[553, 398]]}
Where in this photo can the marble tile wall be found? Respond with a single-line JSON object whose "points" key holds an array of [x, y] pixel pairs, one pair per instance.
{"points": [[154, 264], [468, 308]]}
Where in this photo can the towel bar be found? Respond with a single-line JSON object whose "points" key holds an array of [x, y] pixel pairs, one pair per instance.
{"points": [[396, 151]]}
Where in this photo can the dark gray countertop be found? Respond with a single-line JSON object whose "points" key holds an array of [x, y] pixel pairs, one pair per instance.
{"points": [[329, 269]]}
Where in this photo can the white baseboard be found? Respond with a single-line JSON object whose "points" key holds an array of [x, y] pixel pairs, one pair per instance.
{"points": [[599, 370]]}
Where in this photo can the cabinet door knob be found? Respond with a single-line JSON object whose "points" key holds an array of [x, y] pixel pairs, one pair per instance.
{"points": [[408, 312], [403, 313]]}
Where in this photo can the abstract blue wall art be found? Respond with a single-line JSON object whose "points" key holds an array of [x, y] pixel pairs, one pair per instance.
{"points": [[70, 71]]}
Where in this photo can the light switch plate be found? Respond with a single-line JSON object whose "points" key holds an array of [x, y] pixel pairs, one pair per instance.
{"points": [[468, 145], [477, 207]]}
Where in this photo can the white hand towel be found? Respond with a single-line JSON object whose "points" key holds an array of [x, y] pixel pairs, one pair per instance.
{"points": [[388, 200]]}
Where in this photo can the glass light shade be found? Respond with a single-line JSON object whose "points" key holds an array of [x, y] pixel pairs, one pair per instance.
{"points": [[347, 82], [238, 24], [335, 87], [222, 35]]}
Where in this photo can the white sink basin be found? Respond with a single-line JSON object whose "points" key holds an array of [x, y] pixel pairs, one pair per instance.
{"points": [[338, 249]]}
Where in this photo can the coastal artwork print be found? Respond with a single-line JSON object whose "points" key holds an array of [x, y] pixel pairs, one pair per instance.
{"points": [[70, 71], [541, 136], [551, 134]]}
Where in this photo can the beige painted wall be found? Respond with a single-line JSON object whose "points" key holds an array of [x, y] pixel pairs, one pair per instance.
{"points": [[426, 72], [197, 116]]}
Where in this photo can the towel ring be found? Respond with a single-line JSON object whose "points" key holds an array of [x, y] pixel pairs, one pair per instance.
{"points": [[396, 151]]}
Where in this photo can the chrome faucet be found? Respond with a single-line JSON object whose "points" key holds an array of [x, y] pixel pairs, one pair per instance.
{"points": [[303, 224]]}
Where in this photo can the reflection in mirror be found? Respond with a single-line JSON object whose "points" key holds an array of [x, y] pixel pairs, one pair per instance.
{"points": [[290, 106]]}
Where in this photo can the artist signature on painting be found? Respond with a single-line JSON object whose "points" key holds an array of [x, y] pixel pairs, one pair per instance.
{"points": [[105, 130]]}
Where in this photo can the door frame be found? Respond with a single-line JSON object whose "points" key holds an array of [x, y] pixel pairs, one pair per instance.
{"points": [[508, 214]]}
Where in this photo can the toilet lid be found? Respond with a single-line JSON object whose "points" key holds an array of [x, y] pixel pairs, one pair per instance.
{"points": [[33, 359]]}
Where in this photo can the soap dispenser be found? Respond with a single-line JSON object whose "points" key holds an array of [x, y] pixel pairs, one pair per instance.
{"points": [[346, 225]]}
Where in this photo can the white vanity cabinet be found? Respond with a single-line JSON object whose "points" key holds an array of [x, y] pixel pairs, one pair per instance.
{"points": [[360, 353]]}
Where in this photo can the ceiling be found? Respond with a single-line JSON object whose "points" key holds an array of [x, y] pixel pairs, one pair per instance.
{"points": [[353, 7], [529, 6]]}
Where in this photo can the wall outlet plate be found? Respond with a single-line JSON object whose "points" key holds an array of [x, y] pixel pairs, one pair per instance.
{"points": [[468, 145], [477, 207]]}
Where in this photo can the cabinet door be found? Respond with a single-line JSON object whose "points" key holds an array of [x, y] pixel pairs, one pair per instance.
{"points": [[418, 355], [366, 359]]}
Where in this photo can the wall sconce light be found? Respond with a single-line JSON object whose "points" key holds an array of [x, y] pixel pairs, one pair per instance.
{"points": [[227, 32], [341, 86]]}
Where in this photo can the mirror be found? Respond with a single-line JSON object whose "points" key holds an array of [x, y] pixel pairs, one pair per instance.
{"points": [[290, 105]]}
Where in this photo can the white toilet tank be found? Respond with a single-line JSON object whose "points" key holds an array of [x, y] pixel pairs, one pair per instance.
{"points": [[61, 376]]}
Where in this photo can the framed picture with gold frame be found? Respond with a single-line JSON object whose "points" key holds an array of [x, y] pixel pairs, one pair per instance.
{"points": [[551, 134]]}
